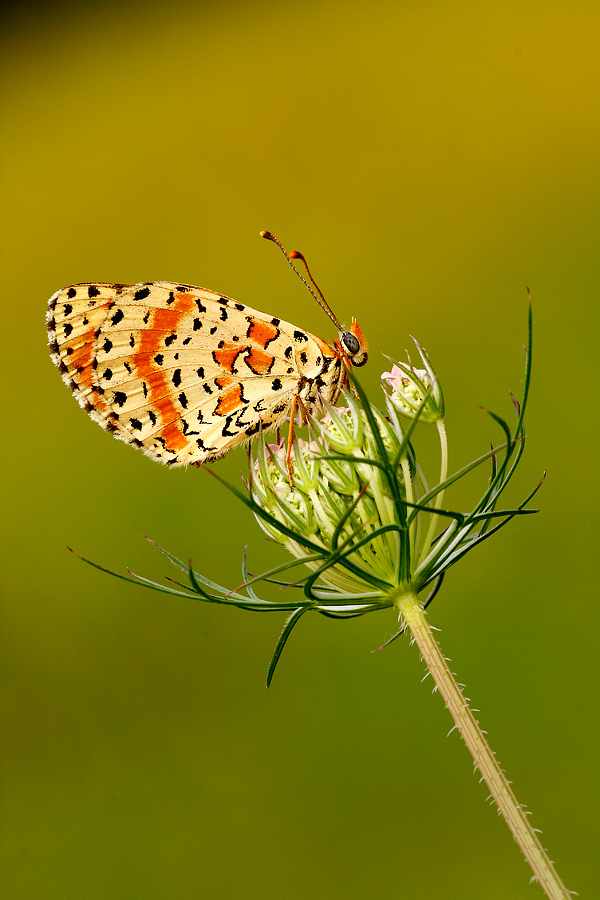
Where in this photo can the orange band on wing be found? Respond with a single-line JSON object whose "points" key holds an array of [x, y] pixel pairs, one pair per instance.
{"points": [[229, 400], [158, 391], [262, 332], [259, 361], [226, 355]]}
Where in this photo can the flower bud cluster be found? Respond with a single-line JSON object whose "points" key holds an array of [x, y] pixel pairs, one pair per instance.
{"points": [[334, 502]]}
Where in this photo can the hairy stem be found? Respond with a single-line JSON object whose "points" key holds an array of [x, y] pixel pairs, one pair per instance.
{"points": [[414, 616]]}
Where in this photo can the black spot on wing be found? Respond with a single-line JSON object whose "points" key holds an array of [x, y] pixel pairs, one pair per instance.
{"points": [[202, 446], [142, 293], [71, 293], [92, 291], [185, 425], [225, 430]]}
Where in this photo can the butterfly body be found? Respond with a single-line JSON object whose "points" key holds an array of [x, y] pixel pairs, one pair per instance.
{"points": [[184, 373]]}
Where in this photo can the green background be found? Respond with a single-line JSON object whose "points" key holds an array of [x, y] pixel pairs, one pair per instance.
{"points": [[431, 160]]}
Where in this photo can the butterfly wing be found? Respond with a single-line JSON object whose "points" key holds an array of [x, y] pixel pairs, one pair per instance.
{"points": [[183, 373]]}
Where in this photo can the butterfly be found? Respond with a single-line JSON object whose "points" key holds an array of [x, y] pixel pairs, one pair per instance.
{"points": [[185, 373]]}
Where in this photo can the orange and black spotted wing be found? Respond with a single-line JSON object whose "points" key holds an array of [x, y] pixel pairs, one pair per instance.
{"points": [[183, 373]]}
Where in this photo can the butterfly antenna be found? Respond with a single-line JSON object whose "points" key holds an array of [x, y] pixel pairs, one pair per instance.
{"points": [[295, 254]]}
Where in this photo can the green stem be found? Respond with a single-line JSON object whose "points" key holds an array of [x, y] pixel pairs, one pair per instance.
{"points": [[440, 496], [544, 872]]}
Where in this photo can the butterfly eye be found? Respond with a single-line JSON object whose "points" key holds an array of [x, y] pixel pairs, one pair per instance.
{"points": [[350, 342]]}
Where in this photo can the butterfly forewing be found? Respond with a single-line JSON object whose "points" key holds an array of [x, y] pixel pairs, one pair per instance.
{"points": [[181, 372]]}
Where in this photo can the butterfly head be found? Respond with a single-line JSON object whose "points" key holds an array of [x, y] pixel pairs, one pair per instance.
{"points": [[354, 345]]}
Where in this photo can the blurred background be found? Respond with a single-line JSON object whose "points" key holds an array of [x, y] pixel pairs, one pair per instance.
{"points": [[431, 160]]}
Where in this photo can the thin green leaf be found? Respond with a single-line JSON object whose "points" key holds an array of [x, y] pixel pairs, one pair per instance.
{"points": [[211, 585], [287, 630], [359, 460], [434, 591], [460, 473], [391, 640], [528, 361], [247, 584], [291, 564], [389, 471], [458, 554], [341, 524]]}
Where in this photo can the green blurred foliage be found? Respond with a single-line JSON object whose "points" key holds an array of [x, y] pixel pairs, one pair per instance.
{"points": [[431, 160]]}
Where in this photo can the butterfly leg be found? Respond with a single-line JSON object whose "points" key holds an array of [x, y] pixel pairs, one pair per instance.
{"points": [[288, 455], [297, 402]]}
